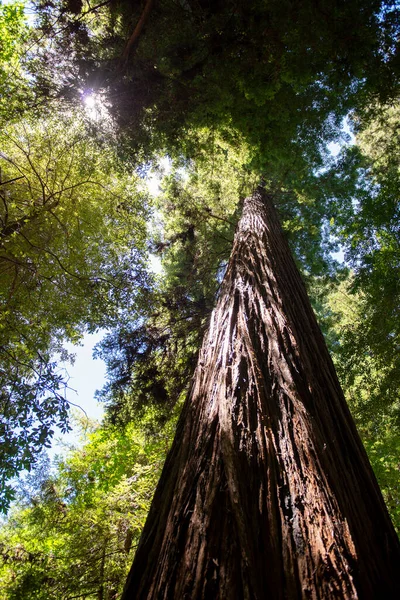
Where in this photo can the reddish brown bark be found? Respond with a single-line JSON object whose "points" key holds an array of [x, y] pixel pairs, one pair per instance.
{"points": [[267, 491], [138, 30]]}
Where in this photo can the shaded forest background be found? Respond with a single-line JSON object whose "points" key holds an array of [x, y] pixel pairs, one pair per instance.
{"points": [[229, 93]]}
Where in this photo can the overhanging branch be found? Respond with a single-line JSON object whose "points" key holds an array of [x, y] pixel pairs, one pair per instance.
{"points": [[137, 31]]}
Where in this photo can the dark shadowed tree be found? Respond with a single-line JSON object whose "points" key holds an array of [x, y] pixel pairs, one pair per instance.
{"points": [[267, 490]]}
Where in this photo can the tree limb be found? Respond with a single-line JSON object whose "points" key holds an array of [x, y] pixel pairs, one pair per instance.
{"points": [[137, 31], [12, 180]]}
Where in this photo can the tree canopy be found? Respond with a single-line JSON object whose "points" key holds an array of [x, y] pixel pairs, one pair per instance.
{"points": [[72, 250], [75, 528]]}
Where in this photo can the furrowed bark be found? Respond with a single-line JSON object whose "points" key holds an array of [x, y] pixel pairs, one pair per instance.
{"points": [[267, 491]]}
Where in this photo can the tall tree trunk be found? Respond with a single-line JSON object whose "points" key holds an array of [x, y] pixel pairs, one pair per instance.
{"points": [[267, 491]]}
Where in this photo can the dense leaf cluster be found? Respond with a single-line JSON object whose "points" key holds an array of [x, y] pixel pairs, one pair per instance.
{"points": [[281, 73], [72, 228], [75, 528]]}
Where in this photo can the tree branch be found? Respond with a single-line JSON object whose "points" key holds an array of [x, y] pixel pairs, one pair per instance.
{"points": [[12, 180], [137, 31]]}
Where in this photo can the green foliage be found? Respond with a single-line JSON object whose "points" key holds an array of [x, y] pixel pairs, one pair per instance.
{"points": [[366, 224], [384, 450], [370, 384], [72, 225], [75, 535], [360, 193], [225, 65], [12, 25], [14, 88]]}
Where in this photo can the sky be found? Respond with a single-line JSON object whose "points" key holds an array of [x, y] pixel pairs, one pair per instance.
{"points": [[86, 376]]}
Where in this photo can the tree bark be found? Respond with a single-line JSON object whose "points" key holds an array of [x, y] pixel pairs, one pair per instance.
{"points": [[267, 491]]}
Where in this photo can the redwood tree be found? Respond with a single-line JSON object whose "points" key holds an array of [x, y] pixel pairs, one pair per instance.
{"points": [[267, 491]]}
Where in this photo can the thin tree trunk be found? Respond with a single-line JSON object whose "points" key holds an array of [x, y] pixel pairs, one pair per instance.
{"points": [[267, 491], [100, 593]]}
